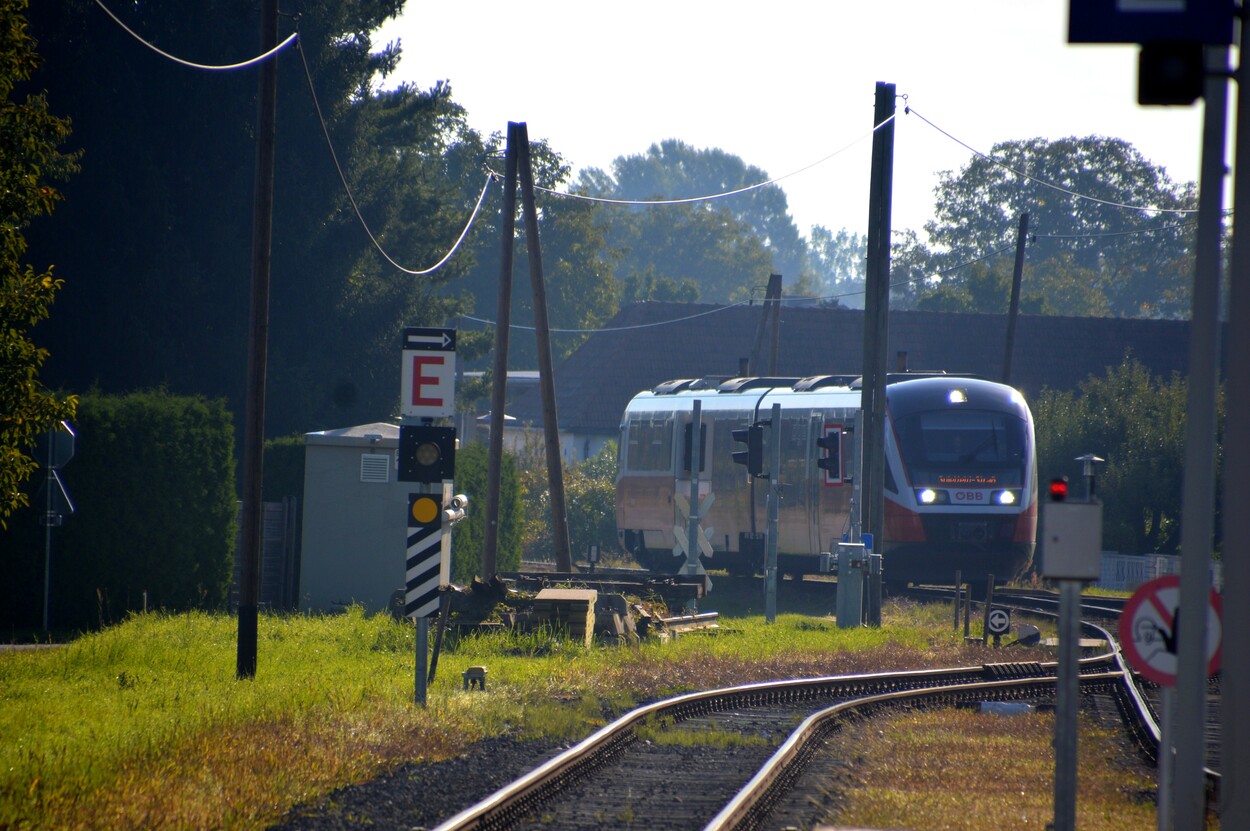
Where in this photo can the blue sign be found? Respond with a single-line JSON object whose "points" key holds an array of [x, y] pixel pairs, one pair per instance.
{"points": [[1151, 21]]}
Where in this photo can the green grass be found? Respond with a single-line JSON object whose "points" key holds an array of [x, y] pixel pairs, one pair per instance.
{"points": [[916, 770], [144, 725]]}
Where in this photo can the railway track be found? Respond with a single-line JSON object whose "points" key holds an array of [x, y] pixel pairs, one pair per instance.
{"points": [[725, 758], [733, 758]]}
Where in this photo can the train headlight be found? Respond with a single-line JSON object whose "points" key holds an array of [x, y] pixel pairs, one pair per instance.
{"points": [[929, 496], [1006, 497]]}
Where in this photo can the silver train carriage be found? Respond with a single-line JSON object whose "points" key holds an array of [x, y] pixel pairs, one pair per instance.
{"points": [[960, 476]]}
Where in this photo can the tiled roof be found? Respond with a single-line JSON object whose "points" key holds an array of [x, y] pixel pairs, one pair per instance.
{"points": [[634, 353]]}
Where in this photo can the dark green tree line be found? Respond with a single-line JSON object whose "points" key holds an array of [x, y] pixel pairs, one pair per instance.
{"points": [[30, 160], [155, 241], [1137, 424], [726, 247], [1122, 247]]}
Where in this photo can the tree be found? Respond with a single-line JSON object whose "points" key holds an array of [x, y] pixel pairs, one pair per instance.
{"points": [[467, 537], [29, 160], [726, 246], [159, 227], [1128, 237], [578, 264], [838, 264], [1137, 424], [590, 500]]}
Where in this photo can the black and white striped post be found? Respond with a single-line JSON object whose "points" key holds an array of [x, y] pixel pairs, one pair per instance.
{"points": [[422, 575], [427, 458]]}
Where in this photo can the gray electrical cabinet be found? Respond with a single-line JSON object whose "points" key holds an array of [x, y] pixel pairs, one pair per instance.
{"points": [[355, 519]]}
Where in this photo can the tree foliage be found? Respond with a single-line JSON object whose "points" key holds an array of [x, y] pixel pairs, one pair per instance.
{"points": [[589, 496], [838, 264], [29, 161], [726, 247], [1109, 232], [578, 268], [1137, 424], [158, 231], [469, 534]]}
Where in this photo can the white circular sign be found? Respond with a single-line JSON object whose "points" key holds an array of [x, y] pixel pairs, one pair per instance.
{"points": [[1150, 630]]}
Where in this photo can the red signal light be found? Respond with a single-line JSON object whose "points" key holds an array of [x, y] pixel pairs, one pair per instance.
{"points": [[1059, 489]]}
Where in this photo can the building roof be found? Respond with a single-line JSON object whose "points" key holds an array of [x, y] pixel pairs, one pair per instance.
{"points": [[648, 343]]}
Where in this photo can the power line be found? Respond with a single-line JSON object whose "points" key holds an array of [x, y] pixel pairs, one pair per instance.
{"points": [[209, 67], [912, 110], [614, 328], [1172, 227], [708, 197], [325, 131]]}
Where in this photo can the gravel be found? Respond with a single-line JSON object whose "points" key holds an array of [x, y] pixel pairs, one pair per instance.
{"points": [[421, 795]]}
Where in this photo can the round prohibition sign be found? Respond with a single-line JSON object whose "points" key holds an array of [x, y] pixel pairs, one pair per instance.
{"points": [[1150, 630]]}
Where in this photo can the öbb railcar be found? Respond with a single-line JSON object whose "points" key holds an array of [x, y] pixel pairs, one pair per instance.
{"points": [[960, 475]]}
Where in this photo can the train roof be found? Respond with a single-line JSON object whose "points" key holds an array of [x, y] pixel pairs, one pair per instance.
{"points": [[904, 391], [935, 393]]}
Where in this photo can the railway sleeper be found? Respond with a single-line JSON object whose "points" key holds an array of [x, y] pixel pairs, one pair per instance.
{"points": [[1013, 669]]}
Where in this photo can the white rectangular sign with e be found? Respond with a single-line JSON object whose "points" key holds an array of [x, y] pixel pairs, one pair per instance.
{"points": [[428, 373]]}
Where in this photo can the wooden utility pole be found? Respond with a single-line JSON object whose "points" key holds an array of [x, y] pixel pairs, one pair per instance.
{"points": [[257, 348], [546, 379], [1017, 274], [768, 317], [499, 381], [774, 348], [876, 317]]}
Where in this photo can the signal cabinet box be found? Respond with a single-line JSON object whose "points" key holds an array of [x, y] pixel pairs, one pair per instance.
{"points": [[355, 519], [1072, 540]]}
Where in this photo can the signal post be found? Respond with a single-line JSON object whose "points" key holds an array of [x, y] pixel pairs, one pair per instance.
{"points": [[1071, 555], [427, 458]]}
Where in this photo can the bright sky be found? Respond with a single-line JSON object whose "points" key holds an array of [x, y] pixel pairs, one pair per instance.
{"points": [[786, 83]]}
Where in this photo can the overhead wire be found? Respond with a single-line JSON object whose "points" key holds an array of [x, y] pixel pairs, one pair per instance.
{"points": [[191, 64], [708, 197], [1099, 235], [651, 325], [908, 109], [1144, 208], [325, 131]]}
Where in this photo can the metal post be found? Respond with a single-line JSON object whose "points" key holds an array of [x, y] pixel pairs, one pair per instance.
{"points": [[1166, 761], [696, 460], [47, 538], [423, 648], [1235, 729], [1067, 705], [989, 602], [1198, 488], [958, 585], [774, 496]]}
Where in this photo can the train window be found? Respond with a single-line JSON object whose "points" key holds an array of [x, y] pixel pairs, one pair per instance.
{"points": [[649, 443], [980, 446]]}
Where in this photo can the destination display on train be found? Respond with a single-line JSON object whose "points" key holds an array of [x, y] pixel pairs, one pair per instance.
{"points": [[981, 480]]}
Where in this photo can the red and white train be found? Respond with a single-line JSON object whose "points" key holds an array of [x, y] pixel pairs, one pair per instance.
{"points": [[960, 475]]}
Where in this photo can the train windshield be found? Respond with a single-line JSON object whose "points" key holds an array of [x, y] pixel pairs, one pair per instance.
{"points": [[966, 447], [648, 445]]}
